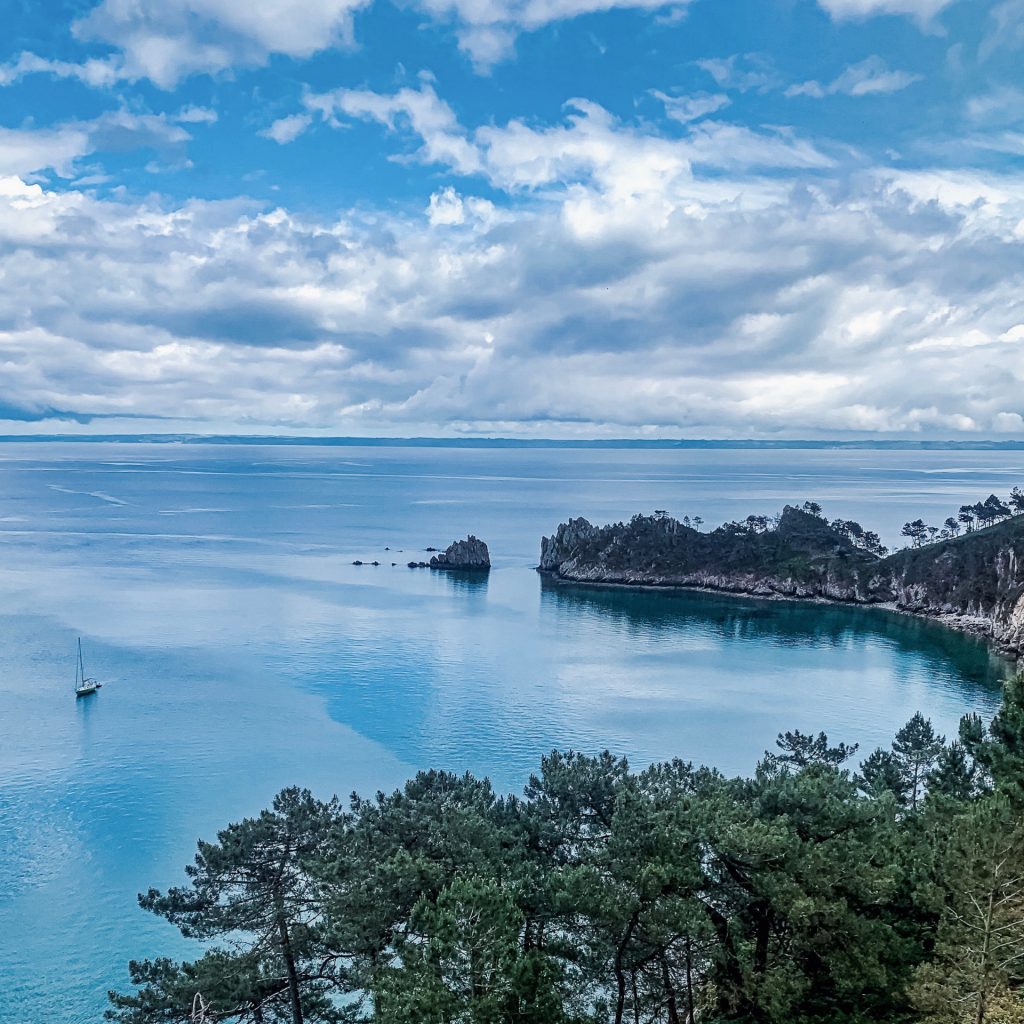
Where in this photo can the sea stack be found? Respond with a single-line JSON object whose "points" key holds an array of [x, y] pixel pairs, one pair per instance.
{"points": [[469, 555]]}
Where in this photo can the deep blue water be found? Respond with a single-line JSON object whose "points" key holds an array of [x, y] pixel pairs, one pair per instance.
{"points": [[241, 651]]}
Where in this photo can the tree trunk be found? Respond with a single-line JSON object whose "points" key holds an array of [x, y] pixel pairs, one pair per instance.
{"points": [[691, 1017], [289, 961], [670, 992], [620, 976], [620, 982], [983, 981]]}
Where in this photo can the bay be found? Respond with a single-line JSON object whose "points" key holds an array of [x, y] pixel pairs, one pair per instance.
{"points": [[242, 651]]}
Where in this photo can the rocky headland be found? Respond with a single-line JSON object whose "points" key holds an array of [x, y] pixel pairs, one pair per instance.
{"points": [[469, 555], [973, 582]]}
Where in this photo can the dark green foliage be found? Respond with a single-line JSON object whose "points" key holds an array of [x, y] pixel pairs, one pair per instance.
{"points": [[252, 890], [803, 751], [914, 758], [916, 748], [1001, 751], [673, 895], [954, 775]]}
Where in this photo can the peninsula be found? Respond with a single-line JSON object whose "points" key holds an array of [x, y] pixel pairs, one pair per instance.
{"points": [[972, 581]]}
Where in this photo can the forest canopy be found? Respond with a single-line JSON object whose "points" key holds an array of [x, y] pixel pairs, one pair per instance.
{"points": [[821, 889]]}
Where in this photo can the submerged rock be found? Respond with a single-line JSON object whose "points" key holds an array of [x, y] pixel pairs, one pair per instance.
{"points": [[469, 555]]}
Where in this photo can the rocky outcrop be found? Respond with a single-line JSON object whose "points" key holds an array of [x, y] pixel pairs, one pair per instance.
{"points": [[469, 555], [973, 583]]}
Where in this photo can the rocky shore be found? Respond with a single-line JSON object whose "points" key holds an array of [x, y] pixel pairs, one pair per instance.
{"points": [[974, 583]]}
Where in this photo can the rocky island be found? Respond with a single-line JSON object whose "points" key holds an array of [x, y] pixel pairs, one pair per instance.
{"points": [[469, 555], [973, 582]]}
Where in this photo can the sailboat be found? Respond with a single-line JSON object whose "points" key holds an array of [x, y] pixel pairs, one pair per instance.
{"points": [[84, 685]]}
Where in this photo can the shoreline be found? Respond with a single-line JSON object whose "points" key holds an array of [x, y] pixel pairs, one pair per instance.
{"points": [[973, 626]]}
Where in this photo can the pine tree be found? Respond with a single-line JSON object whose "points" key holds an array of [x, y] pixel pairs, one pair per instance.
{"points": [[916, 748], [978, 965], [251, 889]]}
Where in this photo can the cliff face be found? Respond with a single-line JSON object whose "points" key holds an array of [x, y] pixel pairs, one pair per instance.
{"points": [[974, 582]]}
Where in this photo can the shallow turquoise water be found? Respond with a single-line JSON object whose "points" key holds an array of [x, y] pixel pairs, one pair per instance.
{"points": [[241, 650]]}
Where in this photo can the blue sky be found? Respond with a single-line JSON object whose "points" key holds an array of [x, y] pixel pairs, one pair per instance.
{"points": [[542, 217]]}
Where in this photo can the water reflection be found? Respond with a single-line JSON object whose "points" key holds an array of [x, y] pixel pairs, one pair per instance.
{"points": [[771, 623], [474, 583]]}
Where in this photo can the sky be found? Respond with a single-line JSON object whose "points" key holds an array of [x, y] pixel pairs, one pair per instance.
{"points": [[533, 218]]}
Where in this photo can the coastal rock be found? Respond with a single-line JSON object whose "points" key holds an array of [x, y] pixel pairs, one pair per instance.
{"points": [[974, 583], [469, 555]]}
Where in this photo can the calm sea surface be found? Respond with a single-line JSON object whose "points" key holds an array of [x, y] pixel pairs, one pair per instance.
{"points": [[241, 651]]}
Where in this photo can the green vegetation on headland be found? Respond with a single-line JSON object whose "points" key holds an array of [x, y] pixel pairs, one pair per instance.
{"points": [[972, 580], [807, 894]]}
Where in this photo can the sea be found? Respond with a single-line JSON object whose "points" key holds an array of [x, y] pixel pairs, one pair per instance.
{"points": [[241, 650]]}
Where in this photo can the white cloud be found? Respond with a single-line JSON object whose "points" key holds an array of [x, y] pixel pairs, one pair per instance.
{"points": [[31, 150], [421, 110], [617, 287], [96, 73], [487, 29], [196, 115], [871, 77], [167, 40], [446, 207], [922, 11], [287, 129], [1000, 106], [25, 152], [742, 72], [1005, 28], [589, 146], [692, 108]]}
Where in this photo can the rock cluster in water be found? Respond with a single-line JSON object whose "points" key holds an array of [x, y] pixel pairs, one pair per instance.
{"points": [[469, 555], [974, 582]]}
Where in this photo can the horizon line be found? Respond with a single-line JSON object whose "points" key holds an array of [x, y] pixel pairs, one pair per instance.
{"points": [[425, 441]]}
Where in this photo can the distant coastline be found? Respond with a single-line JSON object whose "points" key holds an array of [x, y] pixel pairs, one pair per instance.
{"points": [[654, 444]]}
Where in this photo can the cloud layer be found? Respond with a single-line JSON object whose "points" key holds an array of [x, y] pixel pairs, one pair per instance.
{"points": [[726, 282], [234, 217]]}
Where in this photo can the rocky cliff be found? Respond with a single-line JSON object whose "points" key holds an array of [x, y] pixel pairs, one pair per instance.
{"points": [[974, 582], [469, 555]]}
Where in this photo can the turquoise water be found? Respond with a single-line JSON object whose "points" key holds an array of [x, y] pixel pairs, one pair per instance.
{"points": [[241, 650]]}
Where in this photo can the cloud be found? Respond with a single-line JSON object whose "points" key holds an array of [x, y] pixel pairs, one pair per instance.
{"points": [[743, 72], [420, 110], [24, 152], [692, 108], [446, 207], [95, 72], [167, 40], [589, 146], [33, 150], [871, 77], [196, 115], [487, 29], [922, 11], [1005, 28], [287, 129], [718, 280], [1001, 106]]}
